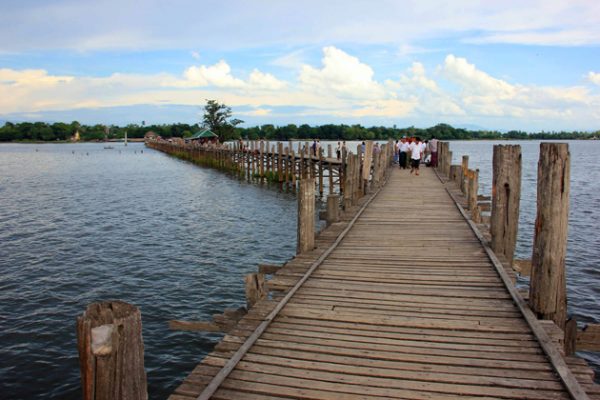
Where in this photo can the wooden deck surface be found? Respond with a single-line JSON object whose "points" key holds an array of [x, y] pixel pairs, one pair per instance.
{"points": [[407, 306]]}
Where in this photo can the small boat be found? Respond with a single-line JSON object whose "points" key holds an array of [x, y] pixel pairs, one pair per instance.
{"points": [[108, 147]]}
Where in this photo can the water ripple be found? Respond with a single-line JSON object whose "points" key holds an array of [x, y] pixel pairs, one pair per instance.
{"points": [[167, 236]]}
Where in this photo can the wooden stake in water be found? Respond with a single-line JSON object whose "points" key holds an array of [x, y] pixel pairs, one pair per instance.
{"points": [[111, 352], [306, 216], [548, 283], [506, 196]]}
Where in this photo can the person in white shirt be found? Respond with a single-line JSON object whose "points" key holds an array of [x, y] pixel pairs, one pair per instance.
{"points": [[404, 149], [416, 150]]}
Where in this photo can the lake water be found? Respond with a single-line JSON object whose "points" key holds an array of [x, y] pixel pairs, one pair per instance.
{"points": [[79, 224]]}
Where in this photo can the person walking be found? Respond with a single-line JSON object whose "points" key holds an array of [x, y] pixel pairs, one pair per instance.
{"points": [[433, 149], [403, 155], [416, 150]]}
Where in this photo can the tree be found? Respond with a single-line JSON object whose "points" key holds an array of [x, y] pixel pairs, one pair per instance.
{"points": [[216, 117]]}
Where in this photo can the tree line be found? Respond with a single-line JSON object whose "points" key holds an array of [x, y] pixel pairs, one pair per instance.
{"points": [[59, 131]]}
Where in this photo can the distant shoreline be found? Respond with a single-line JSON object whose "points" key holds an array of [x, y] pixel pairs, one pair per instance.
{"points": [[136, 140]]}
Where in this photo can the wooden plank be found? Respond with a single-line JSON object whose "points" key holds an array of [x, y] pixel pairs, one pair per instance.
{"points": [[558, 363], [373, 369], [588, 339], [226, 370], [205, 326]]}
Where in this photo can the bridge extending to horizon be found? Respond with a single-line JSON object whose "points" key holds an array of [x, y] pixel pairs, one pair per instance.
{"points": [[408, 293], [402, 298]]}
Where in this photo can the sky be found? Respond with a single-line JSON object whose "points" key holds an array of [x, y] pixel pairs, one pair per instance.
{"points": [[523, 65]]}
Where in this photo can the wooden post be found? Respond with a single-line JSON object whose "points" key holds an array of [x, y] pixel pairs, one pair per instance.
{"points": [[306, 216], [455, 174], [255, 288], [343, 171], [254, 162], [548, 286], [376, 170], [348, 192], [280, 163], [472, 196], [441, 155], [333, 207], [463, 174], [301, 169], [320, 155], [111, 352], [570, 342], [286, 166], [366, 171], [506, 195], [261, 161], [330, 176], [357, 180], [448, 163], [293, 168], [248, 162]]}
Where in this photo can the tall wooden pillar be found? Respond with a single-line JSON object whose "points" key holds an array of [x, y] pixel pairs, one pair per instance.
{"points": [[306, 216], [506, 196], [548, 283], [463, 174]]}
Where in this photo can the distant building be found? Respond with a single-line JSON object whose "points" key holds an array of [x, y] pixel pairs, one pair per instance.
{"points": [[75, 137], [204, 135]]}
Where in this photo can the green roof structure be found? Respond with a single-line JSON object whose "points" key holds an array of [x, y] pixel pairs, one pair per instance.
{"points": [[203, 134]]}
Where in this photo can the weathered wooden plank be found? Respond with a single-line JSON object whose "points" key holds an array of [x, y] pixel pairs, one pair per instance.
{"points": [[388, 315]]}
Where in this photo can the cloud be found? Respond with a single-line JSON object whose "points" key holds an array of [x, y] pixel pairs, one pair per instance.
{"points": [[30, 77], [341, 87], [259, 112], [482, 94], [474, 81], [195, 55], [594, 77], [342, 75], [265, 81], [64, 24], [386, 108], [293, 60], [218, 75]]}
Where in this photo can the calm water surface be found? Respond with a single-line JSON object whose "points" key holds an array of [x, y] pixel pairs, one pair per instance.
{"points": [[165, 235], [79, 224]]}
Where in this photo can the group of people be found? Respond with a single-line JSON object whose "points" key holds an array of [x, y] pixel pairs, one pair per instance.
{"points": [[417, 151], [407, 151]]}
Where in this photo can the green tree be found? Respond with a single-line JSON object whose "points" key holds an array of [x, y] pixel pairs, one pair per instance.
{"points": [[217, 118]]}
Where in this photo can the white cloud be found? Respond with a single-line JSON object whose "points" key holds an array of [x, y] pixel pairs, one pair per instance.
{"points": [[259, 112], [265, 81], [594, 77], [342, 74], [341, 87], [195, 55], [30, 77], [386, 108], [482, 94], [474, 81], [218, 75]]}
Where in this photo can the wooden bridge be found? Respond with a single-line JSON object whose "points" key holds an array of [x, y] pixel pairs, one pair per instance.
{"points": [[401, 299]]}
